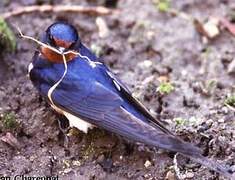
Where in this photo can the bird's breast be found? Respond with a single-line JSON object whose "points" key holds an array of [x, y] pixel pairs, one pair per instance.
{"points": [[74, 121], [54, 57]]}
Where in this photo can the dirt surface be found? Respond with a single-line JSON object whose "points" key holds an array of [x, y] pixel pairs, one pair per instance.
{"points": [[143, 46]]}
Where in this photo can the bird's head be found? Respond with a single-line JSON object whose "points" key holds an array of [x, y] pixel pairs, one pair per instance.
{"points": [[62, 36]]}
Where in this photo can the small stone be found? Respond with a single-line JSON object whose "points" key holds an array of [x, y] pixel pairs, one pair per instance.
{"points": [[147, 164], [205, 40], [76, 163], [209, 122], [233, 149], [148, 176], [232, 168], [189, 175], [150, 35], [222, 139], [213, 111], [68, 170], [211, 28], [184, 72], [32, 158], [225, 110], [170, 176], [130, 175], [145, 64], [231, 67], [66, 163], [101, 158], [11, 140], [221, 120], [102, 26]]}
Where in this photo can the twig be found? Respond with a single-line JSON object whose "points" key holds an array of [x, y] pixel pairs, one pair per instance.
{"points": [[182, 15], [52, 48], [50, 91], [37, 41], [176, 168], [230, 107], [98, 10]]}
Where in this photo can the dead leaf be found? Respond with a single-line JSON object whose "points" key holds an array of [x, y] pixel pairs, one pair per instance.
{"points": [[228, 25], [199, 27], [10, 139]]}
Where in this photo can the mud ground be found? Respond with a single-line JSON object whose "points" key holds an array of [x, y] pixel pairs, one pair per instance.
{"points": [[143, 47]]}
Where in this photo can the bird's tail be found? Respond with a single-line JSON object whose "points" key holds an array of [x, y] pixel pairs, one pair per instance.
{"points": [[132, 128], [211, 164], [194, 153]]}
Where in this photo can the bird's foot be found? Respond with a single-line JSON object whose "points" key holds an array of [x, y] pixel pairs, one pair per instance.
{"points": [[64, 127]]}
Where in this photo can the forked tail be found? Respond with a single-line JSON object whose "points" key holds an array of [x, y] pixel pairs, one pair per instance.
{"points": [[212, 165]]}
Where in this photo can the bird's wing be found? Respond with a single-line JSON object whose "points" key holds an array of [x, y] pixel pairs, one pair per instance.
{"points": [[103, 108], [91, 100], [137, 104]]}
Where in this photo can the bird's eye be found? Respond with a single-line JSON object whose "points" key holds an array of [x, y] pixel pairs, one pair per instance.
{"points": [[51, 37], [72, 45], [51, 40]]}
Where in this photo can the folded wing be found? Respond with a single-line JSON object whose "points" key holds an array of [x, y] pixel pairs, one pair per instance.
{"points": [[103, 108]]}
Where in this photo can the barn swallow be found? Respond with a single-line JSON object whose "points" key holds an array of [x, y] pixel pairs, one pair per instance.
{"points": [[91, 95]]}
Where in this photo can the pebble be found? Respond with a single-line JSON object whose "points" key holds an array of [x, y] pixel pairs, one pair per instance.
{"points": [[221, 120], [148, 176], [221, 138], [130, 175], [102, 26], [232, 168], [211, 28], [170, 176], [184, 72], [209, 122], [101, 158], [66, 163], [225, 110], [76, 163], [11, 140], [231, 67], [147, 164], [189, 175], [68, 170], [233, 149], [145, 64]]}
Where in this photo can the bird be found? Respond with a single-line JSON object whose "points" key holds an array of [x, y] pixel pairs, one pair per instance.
{"points": [[84, 90]]}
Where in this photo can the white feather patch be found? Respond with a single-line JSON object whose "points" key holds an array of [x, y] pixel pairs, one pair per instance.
{"points": [[117, 85], [77, 122], [30, 67], [74, 121]]}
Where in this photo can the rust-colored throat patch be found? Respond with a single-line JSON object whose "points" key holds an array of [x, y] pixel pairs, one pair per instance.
{"points": [[54, 57]]}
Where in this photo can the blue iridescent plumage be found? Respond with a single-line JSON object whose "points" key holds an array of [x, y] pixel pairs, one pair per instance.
{"points": [[91, 92]]}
